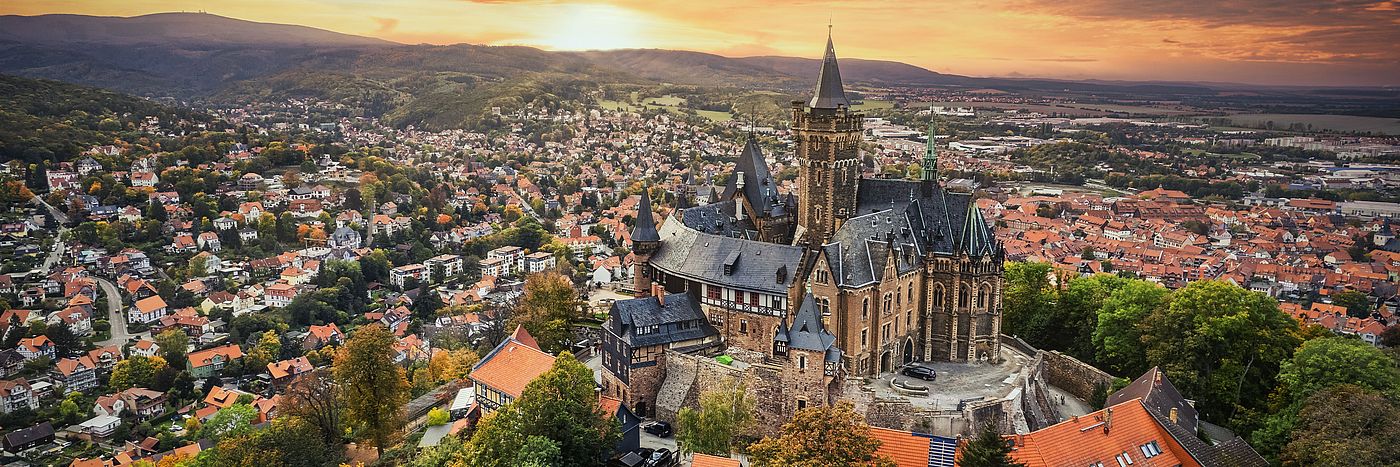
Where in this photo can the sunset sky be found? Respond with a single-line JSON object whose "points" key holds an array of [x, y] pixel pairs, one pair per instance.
{"points": [[1333, 42]]}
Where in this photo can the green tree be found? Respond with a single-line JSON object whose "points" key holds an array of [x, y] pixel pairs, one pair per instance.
{"points": [[1358, 304], [1345, 425], [1027, 303], [987, 449], [233, 420], [1221, 345], [438, 416], [286, 441], [1118, 335], [373, 389], [136, 371], [820, 436], [559, 406], [548, 309], [174, 346], [1317, 365], [268, 350], [725, 413]]}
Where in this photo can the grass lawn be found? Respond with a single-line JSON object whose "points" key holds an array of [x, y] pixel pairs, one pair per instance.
{"points": [[870, 104]]}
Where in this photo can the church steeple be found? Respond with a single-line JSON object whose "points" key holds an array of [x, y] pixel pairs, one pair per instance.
{"points": [[930, 164], [829, 94], [645, 228]]}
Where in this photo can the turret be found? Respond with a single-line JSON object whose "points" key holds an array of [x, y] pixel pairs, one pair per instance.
{"points": [[645, 241]]}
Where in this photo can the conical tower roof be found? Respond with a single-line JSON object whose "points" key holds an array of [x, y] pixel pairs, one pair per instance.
{"points": [[645, 228], [830, 94]]}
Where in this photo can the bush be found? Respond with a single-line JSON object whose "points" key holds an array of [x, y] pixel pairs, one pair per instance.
{"points": [[438, 417]]}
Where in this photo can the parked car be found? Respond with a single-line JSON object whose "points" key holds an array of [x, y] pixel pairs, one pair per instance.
{"points": [[658, 428], [634, 458], [661, 458], [919, 372]]}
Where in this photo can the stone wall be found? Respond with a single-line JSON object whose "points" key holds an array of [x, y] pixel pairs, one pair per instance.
{"points": [[1076, 377]]}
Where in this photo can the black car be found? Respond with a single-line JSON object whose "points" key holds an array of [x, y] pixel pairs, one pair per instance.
{"points": [[660, 429], [661, 458], [634, 458], [919, 372]]}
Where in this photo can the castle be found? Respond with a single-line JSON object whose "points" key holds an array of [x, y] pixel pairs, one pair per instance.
{"points": [[849, 276]]}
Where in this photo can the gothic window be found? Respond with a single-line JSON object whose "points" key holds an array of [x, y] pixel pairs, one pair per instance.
{"points": [[884, 333], [938, 295], [865, 308], [908, 319], [886, 309], [911, 292], [963, 296], [982, 297], [864, 342], [898, 297]]}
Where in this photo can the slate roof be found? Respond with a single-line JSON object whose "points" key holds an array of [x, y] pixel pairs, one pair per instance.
{"points": [[626, 316], [702, 256], [719, 218], [1160, 397], [895, 215], [759, 186], [807, 332], [829, 92], [644, 229]]}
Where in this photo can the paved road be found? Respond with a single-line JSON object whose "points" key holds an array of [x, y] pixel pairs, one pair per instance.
{"points": [[115, 316], [58, 245]]}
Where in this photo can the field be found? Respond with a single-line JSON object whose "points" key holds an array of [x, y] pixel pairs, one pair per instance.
{"points": [[668, 103], [1379, 125], [870, 104]]}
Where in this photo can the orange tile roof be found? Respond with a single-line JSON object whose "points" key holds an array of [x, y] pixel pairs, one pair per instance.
{"points": [[706, 460], [903, 447], [512, 365], [1098, 437]]}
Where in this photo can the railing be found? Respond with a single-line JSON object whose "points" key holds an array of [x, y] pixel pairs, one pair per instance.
{"points": [[740, 306]]}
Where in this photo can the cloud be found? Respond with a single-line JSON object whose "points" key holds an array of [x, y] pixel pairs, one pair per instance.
{"points": [[1170, 41], [386, 25]]}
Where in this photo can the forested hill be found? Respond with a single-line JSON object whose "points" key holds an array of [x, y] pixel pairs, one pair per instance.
{"points": [[54, 121]]}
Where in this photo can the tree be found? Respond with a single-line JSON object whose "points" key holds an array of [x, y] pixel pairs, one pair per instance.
{"points": [[987, 449], [559, 406], [725, 413], [1358, 305], [284, 442], [1317, 365], [547, 309], [374, 390], [820, 436], [268, 350], [65, 342], [174, 346], [1118, 335], [315, 399], [136, 371], [450, 365], [438, 416], [1027, 302], [1345, 425], [233, 420], [1221, 345], [429, 302]]}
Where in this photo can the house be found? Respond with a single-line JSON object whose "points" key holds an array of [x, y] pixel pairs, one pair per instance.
{"points": [[442, 267], [286, 371], [321, 336], [512, 257], [1127, 433], [209, 362], [147, 310], [500, 377], [145, 348], [279, 294], [25, 438], [539, 261], [144, 179], [100, 426], [16, 394], [636, 336], [75, 374], [344, 237], [909, 449], [705, 460], [143, 403], [399, 276], [36, 347], [629, 423], [209, 241], [78, 320]]}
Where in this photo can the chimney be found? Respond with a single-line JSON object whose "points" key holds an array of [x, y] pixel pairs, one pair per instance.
{"points": [[1173, 415], [659, 292], [1107, 420]]}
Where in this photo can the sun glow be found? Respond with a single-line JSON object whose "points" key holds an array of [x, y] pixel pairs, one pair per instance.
{"points": [[593, 27]]}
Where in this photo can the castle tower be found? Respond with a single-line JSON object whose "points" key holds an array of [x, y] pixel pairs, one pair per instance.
{"points": [[645, 241], [828, 137], [929, 167]]}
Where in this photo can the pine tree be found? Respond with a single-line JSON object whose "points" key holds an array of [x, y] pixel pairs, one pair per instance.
{"points": [[988, 449]]}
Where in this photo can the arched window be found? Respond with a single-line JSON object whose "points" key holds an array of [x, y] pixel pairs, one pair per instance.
{"points": [[911, 292], [865, 308], [938, 296], [886, 309], [963, 296], [982, 297]]}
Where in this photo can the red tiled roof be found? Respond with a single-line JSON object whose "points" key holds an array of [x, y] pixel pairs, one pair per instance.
{"points": [[512, 365], [706, 460], [903, 447], [1098, 437]]}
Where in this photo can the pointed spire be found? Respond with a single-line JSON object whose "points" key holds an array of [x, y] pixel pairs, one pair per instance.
{"points": [[930, 165], [645, 228], [830, 94]]}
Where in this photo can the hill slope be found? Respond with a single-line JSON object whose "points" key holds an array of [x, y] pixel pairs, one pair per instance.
{"points": [[164, 28]]}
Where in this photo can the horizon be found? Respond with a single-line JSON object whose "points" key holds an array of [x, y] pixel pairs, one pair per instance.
{"points": [[1336, 49]]}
